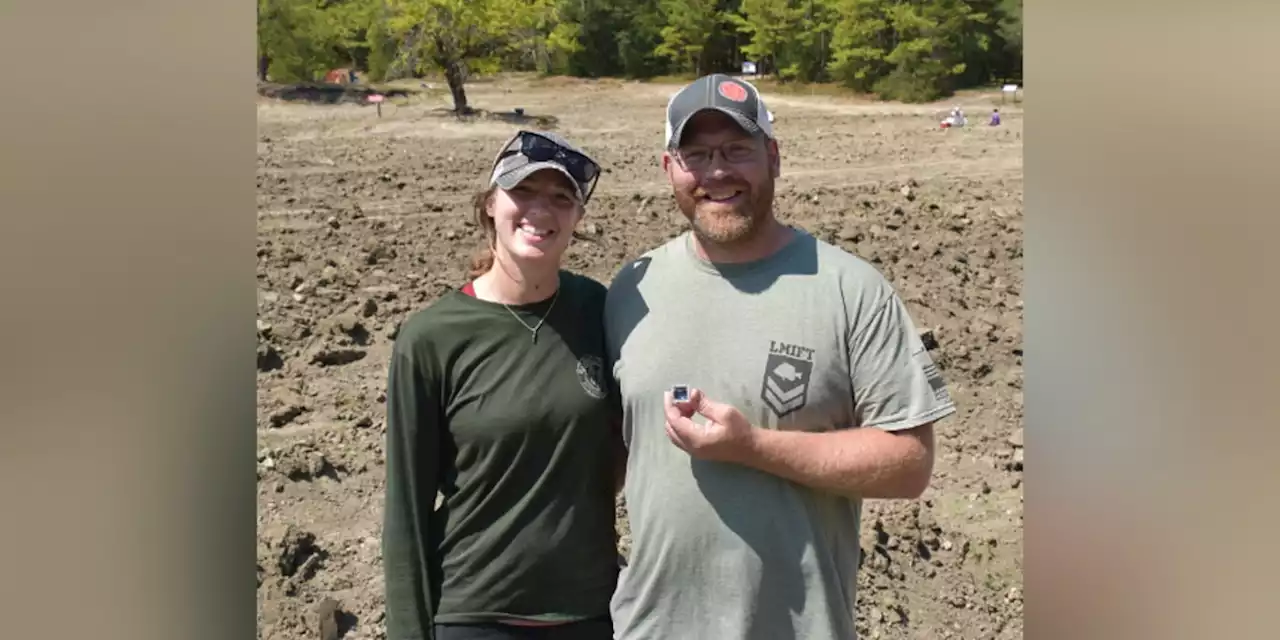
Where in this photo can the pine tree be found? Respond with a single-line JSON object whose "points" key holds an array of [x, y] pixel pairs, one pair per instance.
{"points": [[789, 38], [690, 24], [912, 50]]}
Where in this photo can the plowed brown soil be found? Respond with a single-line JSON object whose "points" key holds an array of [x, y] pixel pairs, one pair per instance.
{"points": [[362, 220]]}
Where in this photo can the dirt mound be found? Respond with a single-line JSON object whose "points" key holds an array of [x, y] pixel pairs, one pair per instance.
{"points": [[359, 226], [323, 93]]}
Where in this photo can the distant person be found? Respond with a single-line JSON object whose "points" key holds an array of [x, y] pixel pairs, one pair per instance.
{"points": [[809, 391], [498, 398], [995, 117], [955, 118]]}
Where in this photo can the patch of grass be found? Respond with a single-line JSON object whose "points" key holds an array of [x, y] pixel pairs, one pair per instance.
{"points": [[992, 93], [679, 78], [835, 89], [766, 83], [553, 80], [773, 85]]}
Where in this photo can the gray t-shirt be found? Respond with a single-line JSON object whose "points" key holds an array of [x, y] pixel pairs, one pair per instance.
{"points": [[810, 338]]}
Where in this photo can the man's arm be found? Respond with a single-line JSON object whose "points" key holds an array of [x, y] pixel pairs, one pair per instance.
{"points": [[898, 395], [617, 315], [863, 463], [619, 457], [887, 452]]}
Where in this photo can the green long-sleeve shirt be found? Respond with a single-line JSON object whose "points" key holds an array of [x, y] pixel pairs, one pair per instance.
{"points": [[519, 436]]}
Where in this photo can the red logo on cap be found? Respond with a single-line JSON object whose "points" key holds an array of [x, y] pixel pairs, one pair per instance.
{"points": [[733, 91]]}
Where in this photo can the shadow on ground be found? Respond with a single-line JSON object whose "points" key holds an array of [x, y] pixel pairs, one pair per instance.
{"points": [[320, 93], [517, 117]]}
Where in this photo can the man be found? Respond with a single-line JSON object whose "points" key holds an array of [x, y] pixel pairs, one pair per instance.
{"points": [[809, 391]]}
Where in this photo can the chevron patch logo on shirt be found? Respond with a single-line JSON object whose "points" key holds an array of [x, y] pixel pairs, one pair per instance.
{"points": [[785, 388]]}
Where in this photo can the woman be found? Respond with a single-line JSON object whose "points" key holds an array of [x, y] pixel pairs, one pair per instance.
{"points": [[498, 398]]}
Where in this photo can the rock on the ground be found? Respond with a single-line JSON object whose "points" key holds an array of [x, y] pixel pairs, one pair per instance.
{"points": [[330, 356]]}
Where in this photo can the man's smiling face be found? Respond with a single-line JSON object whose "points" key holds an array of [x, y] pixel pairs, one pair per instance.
{"points": [[722, 177]]}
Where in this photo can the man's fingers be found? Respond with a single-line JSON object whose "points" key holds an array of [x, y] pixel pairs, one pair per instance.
{"points": [[700, 403], [672, 409], [683, 431], [676, 437], [671, 433], [696, 397], [715, 411]]}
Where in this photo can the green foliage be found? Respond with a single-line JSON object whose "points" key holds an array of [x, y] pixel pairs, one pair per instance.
{"points": [[689, 27], [462, 37], [615, 38], [860, 41], [562, 41], [1010, 28], [383, 46], [788, 37], [912, 50], [349, 23], [538, 37], [439, 35], [1009, 33], [931, 37], [298, 38]]}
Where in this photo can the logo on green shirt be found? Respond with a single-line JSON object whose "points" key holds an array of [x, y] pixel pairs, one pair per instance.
{"points": [[591, 376]]}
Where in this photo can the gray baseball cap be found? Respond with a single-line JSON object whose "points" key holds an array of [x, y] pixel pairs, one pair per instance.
{"points": [[731, 96], [530, 151]]}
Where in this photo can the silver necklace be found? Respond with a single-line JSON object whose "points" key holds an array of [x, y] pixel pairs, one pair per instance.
{"points": [[534, 329]]}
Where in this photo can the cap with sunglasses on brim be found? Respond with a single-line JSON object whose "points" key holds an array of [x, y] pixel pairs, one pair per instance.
{"points": [[530, 151], [731, 96]]}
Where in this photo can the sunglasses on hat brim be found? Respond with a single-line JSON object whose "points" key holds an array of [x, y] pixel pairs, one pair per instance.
{"points": [[538, 148]]}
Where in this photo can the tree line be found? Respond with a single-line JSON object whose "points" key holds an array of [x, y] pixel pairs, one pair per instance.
{"points": [[909, 50]]}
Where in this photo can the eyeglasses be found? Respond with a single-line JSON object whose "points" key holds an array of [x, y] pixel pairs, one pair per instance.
{"points": [[538, 148], [699, 157]]}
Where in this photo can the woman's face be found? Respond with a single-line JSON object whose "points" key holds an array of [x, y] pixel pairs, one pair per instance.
{"points": [[534, 221]]}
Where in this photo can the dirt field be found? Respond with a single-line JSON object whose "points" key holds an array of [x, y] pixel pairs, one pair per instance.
{"points": [[362, 220]]}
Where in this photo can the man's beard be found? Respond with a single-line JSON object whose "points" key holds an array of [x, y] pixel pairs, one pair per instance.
{"points": [[728, 226]]}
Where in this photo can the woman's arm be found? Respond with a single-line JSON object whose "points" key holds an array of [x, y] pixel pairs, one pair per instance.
{"points": [[413, 463]]}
